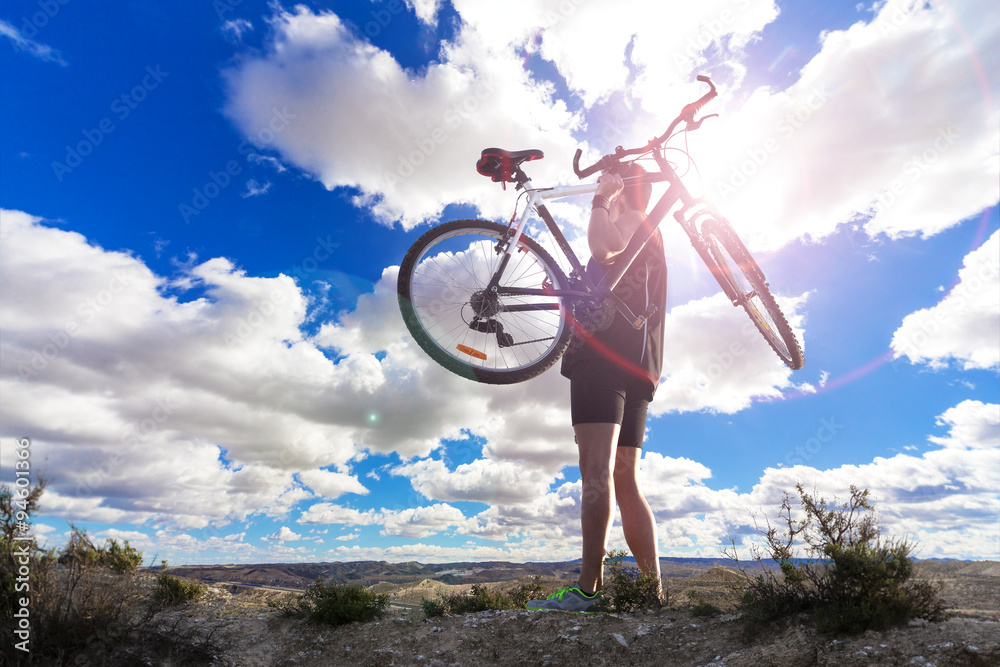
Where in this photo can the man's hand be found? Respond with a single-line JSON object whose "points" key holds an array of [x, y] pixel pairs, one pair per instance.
{"points": [[609, 185]]}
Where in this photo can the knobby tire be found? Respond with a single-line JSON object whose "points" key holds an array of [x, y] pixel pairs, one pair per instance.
{"points": [[748, 288], [441, 287]]}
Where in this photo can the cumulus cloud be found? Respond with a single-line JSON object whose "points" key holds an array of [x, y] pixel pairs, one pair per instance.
{"points": [[416, 522], [121, 376], [483, 480], [965, 325], [890, 123], [330, 484], [329, 513], [173, 413], [412, 150], [900, 172], [944, 499], [715, 359], [285, 534], [421, 522], [595, 49]]}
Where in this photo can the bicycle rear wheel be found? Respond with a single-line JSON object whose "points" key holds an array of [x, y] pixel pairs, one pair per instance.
{"points": [[744, 283], [482, 335]]}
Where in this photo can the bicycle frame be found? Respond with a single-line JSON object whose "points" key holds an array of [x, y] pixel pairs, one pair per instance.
{"points": [[691, 210]]}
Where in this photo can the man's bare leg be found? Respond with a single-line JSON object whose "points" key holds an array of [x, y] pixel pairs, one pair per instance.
{"points": [[638, 522], [597, 444]]}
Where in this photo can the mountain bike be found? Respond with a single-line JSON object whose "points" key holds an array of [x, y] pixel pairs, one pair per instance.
{"points": [[488, 302]]}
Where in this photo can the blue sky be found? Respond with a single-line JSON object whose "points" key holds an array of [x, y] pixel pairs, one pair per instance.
{"points": [[204, 205]]}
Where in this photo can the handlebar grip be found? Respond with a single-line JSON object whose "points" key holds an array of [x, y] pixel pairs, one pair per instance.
{"points": [[691, 109], [584, 173]]}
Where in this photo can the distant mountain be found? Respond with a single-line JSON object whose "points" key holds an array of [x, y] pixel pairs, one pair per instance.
{"points": [[368, 573]]}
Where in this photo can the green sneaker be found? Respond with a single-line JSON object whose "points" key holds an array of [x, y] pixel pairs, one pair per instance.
{"points": [[570, 598]]}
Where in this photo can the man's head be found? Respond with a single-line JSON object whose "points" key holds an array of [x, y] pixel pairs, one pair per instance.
{"points": [[637, 192]]}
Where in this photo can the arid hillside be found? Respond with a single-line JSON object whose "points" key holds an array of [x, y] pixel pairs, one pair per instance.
{"points": [[246, 628]]}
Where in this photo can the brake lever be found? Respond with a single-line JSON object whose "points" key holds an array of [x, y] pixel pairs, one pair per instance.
{"points": [[695, 124]]}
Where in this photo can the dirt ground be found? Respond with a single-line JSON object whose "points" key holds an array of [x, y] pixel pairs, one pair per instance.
{"points": [[249, 631]]}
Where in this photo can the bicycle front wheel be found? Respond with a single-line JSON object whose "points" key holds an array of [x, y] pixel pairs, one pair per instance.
{"points": [[744, 283], [483, 335]]}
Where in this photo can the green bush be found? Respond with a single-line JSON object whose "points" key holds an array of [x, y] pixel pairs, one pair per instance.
{"points": [[120, 558], [700, 606], [89, 607], [337, 604], [439, 607], [170, 590], [627, 590], [851, 579], [87, 603], [481, 598]]}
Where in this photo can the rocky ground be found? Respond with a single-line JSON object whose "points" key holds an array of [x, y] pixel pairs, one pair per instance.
{"points": [[247, 629]]}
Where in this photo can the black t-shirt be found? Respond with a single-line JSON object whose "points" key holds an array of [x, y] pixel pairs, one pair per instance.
{"points": [[639, 350]]}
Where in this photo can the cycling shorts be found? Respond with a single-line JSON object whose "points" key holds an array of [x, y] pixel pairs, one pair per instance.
{"points": [[603, 393]]}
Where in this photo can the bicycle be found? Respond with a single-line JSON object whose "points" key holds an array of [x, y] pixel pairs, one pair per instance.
{"points": [[488, 302]]}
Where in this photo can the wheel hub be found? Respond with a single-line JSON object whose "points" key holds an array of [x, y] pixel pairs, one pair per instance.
{"points": [[485, 305]]}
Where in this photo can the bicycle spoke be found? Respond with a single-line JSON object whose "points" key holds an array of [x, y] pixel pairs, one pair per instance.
{"points": [[447, 294]]}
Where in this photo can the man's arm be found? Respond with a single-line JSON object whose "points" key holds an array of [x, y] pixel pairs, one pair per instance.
{"points": [[608, 239]]}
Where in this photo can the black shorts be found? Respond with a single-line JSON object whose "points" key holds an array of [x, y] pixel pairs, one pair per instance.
{"points": [[603, 393]]}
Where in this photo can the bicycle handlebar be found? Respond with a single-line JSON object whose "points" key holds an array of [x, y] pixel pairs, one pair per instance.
{"points": [[687, 114]]}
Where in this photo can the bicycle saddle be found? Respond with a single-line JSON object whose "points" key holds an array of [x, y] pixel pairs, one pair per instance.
{"points": [[501, 165]]}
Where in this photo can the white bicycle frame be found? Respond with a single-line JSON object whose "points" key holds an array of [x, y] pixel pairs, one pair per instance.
{"points": [[537, 197]]}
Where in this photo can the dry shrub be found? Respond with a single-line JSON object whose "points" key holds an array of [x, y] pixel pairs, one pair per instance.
{"points": [[851, 579]]}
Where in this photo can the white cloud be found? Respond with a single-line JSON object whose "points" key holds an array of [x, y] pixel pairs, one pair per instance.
{"points": [[412, 149], [420, 522], [255, 189], [426, 10], [965, 325], [175, 415], [483, 480], [347, 538], [945, 500], [285, 534], [23, 42], [715, 359], [189, 413], [330, 484], [909, 172], [235, 29], [973, 424], [329, 513], [892, 117]]}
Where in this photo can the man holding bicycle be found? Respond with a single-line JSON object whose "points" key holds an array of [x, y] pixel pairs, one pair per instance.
{"points": [[613, 374]]}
